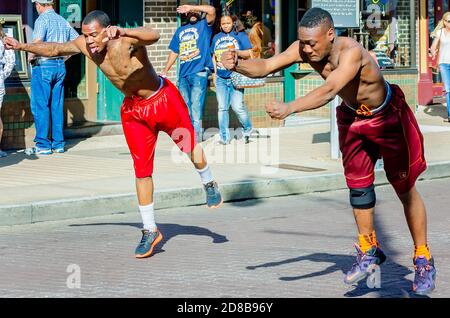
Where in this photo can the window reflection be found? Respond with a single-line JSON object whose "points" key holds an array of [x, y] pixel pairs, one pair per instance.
{"points": [[258, 19]]}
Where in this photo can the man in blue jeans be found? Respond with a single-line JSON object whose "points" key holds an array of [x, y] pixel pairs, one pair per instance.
{"points": [[191, 43], [47, 80]]}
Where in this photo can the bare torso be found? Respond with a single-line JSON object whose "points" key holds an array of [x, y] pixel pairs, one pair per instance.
{"points": [[368, 87], [127, 67]]}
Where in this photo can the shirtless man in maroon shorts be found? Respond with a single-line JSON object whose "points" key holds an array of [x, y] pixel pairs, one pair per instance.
{"points": [[151, 104], [374, 121]]}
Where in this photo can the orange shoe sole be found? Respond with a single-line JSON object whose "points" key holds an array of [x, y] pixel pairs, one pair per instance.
{"points": [[155, 242], [216, 206]]}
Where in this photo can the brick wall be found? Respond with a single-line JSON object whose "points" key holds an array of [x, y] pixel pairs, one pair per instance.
{"points": [[17, 119], [161, 15], [403, 32]]}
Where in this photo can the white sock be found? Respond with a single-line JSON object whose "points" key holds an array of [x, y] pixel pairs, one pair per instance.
{"points": [[148, 217], [205, 175]]}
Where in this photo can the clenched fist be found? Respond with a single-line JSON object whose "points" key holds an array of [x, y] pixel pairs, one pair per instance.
{"points": [[11, 43], [278, 110], [229, 60], [113, 32]]}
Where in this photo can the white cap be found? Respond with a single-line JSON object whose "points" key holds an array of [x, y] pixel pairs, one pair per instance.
{"points": [[43, 1]]}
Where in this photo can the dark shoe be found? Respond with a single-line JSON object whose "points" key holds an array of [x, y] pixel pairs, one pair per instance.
{"points": [[148, 243], [246, 139], [359, 269], [447, 120], [213, 196], [425, 276]]}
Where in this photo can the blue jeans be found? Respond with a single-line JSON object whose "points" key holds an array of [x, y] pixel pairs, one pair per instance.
{"points": [[47, 99], [445, 74], [193, 89], [228, 95]]}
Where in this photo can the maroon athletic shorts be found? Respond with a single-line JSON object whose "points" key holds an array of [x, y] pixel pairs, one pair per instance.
{"points": [[392, 133]]}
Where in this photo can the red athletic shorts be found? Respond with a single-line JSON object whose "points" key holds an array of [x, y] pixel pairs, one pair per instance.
{"points": [[392, 134], [143, 119]]}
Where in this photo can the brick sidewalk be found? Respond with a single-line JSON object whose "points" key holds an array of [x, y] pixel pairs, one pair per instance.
{"points": [[297, 246]]}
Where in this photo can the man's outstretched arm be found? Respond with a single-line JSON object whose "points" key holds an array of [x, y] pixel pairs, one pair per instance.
{"points": [[262, 67], [349, 66], [141, 36], [209, 10], [48, 49]]}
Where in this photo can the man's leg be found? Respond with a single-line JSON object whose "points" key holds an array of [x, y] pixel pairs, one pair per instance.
{"points": [[198, 94], [213, 197], [223, 100], [364, 220], [57, 108], [144, 190], [237, 103], [369, 254], [359, 159], [404, 161], [41, 79], [416, 216], [141, 141], [178, 126]]}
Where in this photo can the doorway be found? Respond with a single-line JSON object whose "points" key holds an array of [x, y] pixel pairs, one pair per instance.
{"points": [[128, 14]]}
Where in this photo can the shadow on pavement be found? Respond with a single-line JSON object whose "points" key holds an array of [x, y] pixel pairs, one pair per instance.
{"points": [[394, 283], [436, 110], [169, 231]]}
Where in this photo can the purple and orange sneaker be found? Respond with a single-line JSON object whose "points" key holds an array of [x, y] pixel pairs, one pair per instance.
{"points": [[425, 275], [359, 269]]}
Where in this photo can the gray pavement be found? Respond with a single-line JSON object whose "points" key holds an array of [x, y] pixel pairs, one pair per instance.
{"points": [[95, 176], [293, 246]]}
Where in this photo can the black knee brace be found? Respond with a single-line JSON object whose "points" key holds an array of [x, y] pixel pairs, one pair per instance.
{"points": [[363, 198]]}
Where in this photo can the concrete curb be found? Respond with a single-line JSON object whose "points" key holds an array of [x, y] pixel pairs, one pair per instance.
{"points": [[172, 198]]}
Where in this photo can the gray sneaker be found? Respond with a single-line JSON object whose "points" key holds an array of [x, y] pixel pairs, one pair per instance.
{"points": [[213, 196], [37, 151], [148, 242]]}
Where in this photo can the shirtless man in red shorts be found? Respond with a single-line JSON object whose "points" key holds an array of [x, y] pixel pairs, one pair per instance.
{"points": [[374, 121], [151, 104]]}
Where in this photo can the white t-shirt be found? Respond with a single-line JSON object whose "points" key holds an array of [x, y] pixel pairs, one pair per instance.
{"points": [[444, 47]]}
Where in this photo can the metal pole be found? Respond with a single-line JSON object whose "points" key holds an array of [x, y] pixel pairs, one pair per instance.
{"points": [[334, 135]]}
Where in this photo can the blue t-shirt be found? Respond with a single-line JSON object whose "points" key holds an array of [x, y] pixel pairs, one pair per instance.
{"points": [[192, 44], [220, 44]]}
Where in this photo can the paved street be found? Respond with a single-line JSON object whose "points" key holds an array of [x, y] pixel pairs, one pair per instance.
{"points": [[296, 246]]}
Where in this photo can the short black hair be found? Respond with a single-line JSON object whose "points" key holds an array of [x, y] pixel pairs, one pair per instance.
{"points": [[315, 17], [99, 16]]}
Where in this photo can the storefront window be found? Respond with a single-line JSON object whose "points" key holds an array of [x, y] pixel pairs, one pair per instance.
{"points": [[385, 29], [75, 84], [387, 25], [259, 20]]}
